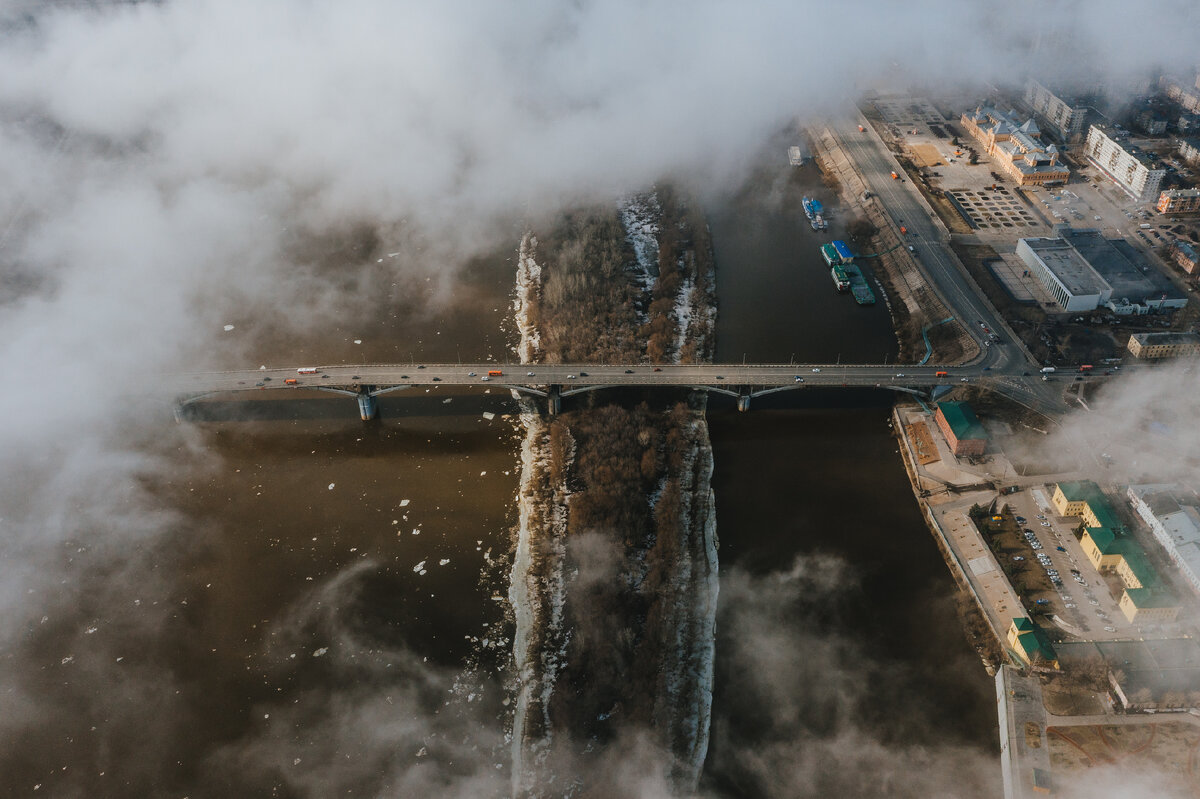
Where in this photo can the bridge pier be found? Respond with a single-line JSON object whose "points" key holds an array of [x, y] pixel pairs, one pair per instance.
{"points": [[554, 400], [368, 406], [743, 402]]}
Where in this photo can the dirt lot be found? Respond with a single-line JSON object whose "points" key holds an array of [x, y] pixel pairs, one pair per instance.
{"points": [[1166, 748], [922, 443], [927, 155]]}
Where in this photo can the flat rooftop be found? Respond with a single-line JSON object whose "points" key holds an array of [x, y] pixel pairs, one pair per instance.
{"points": [[1120, 265], [1067, 265]]}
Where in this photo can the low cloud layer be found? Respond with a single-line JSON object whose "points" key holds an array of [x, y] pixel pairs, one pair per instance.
{"points": [[166, 165]]}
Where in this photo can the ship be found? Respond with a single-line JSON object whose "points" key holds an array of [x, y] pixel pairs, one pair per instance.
{"points": [[807, 204], [858, 286], [840, 278], [795, 156]]}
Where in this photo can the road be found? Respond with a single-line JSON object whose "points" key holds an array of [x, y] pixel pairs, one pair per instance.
{"points": [[377, 378], [907, 207]]}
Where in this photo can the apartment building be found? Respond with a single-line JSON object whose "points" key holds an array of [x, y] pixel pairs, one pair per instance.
{"points": [[1134, 171]]}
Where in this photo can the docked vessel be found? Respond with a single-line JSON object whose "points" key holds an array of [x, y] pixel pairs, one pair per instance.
{"points": [[840, 278], [858, 286], [846, 276], [795, 156], [807, 205]]}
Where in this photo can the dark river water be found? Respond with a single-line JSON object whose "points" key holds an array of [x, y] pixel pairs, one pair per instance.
{"points": [[328, 564]]}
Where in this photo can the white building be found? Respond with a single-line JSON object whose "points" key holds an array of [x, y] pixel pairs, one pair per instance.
{"points": [[1062, 117], [1073, 284], [1083, 271], [1175, 525], [1130, 168]]}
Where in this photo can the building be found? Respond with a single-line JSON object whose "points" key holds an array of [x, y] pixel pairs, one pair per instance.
{"points": [[1188, 96], [1173, 516], [1144, 606], [1186, 257], [1110, 549], [1016, 147], [1064, 274], [1031, 644], [1083, 271], [1151, 122], [1189, 149], [1084, 499], [1187, 123], [1062, 116], [1153, 346], [1178, 201], [1134, 171], [961, 427]]}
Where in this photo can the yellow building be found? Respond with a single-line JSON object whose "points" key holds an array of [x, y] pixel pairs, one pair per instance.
{"points": [[1163, 345], [1145, 606], [1098, 545], [1085, 500], [1030, 643], [1015, 147]]}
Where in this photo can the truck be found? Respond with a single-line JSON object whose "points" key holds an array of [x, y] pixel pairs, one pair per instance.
{"points": [[861, 129], [895, 176], [291, 381], [1087, 367], [940, 374], [1047, 370], [307, 370]]}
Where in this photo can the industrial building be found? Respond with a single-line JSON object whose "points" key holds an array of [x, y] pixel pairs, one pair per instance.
{"points": [[1138, 174], [961, 427], [1110, 549], [1178, 201], [1016, 147], [1173, 516], [1064, 274], [1083, 271], [1154, 346], [1062, 116]]}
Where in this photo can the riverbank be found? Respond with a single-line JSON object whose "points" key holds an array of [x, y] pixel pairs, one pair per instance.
{"points": [[916, 308]]}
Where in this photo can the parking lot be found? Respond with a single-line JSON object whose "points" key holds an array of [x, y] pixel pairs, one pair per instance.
{"points": [[1081, 597]]}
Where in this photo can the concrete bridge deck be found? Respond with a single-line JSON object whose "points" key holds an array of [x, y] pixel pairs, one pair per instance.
{"points": [[555, 381]]}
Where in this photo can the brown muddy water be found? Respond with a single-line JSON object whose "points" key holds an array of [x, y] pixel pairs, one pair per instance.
{"points": [[284, 638]]}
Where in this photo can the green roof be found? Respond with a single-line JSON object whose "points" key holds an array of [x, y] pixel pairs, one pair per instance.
{"points": [[1135, 559], [1035, 642], [962, 420], [1087, 491], [1034, 639], [1149, 598], [1104, 539]]}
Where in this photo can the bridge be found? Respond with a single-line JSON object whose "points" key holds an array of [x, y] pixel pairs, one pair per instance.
{"points": [[553, 382]]}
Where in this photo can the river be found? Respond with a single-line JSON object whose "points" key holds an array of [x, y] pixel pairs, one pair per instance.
{"points": [[303, 598]]}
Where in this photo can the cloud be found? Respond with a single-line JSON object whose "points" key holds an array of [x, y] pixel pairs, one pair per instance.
{"points": [[165, 166]]}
